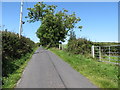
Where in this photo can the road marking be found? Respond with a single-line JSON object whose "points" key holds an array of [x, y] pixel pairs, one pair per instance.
{"points": [[20, 78], [23, 72], [56, 70], [18, 82]]}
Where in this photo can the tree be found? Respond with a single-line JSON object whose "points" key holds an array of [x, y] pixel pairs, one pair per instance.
{"points": [[54, 26], [72, 35]]}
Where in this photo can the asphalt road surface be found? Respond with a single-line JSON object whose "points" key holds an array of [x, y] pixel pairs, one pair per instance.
{"points": [[46, 70]]}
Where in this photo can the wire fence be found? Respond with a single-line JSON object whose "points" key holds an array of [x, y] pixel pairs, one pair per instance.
{"points": [[109, 54]]}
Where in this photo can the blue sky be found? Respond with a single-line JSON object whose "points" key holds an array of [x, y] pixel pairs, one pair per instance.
{"points": [[99, 19]]}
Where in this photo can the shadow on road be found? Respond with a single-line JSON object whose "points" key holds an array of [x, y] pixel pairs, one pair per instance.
{"points": [[36, 52]]}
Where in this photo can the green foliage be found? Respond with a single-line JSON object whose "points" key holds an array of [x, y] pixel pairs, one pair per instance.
{"points": [[79, 46], [11, 80], [105, 43], [54, 25], [101, 74], [83, 46], [14, 48], [39, 11], [72, 36], [38, 44]]}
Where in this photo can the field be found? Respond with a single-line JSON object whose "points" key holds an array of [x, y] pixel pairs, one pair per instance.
{"points": [[112, 59]]}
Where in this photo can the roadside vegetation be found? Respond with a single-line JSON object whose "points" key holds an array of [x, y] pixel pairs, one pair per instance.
{"points": [[53, 30], [78, 54], [56, 24], [16, 52], [101, 74]]}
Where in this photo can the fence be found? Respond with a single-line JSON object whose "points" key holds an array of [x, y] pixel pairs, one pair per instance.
{"points": [[109, 54], [62, 46]]}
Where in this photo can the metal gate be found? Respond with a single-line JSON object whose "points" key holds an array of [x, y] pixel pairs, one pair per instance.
{"points": [[109, 54]]}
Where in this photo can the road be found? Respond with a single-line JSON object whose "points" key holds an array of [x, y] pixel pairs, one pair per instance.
{"points": [[47, 70]]}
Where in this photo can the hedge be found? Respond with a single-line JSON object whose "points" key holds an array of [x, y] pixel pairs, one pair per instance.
{"points": [[13, 48], [80, 46]]}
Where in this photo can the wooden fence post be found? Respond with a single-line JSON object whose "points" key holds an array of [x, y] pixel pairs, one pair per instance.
{"points": [[59, 46], [93, 52], [99, 53], [109, 53], [62, 46]]}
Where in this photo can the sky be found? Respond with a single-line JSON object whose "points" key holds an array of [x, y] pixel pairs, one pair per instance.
{"points": [[99, 19]]}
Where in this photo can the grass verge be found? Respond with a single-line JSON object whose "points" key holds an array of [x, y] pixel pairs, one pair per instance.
{"points": [[11, 80], [101, 74]]}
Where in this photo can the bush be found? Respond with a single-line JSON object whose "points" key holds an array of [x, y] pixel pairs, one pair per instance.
{"points": [[83, 46], [14, 48], [80, 46], [38, 44]]}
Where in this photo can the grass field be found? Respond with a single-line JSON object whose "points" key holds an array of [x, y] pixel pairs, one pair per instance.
{"points": [[11, 80], [101, 74], [111, 59]]}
